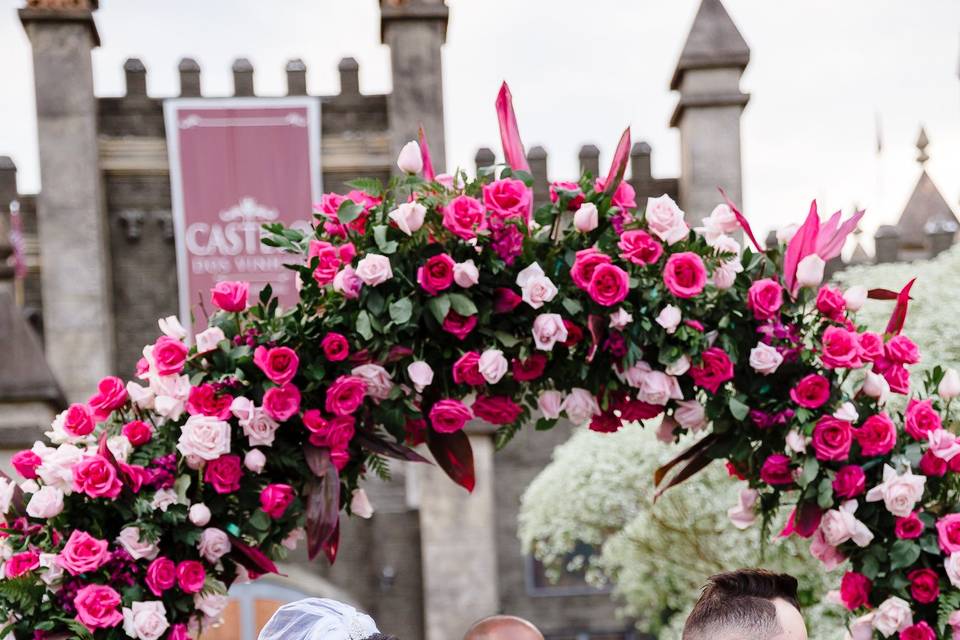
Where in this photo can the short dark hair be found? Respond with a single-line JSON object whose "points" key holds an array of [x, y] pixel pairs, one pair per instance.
{"points": [[740, 601], [380, 636]]}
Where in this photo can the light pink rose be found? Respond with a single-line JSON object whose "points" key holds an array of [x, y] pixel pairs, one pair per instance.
{"points": [[493, 365], [744, 514], [145, 620], [548, 329], [657, 387], [347, 283], [204, 437], [949, 387], [952, 566], [45, 503], [828, 555], [213, 544], [810, 271], [586, 219], [208, 339], [847, 412], [254, 460], [876, 386], [199, 514], [410, 160], [360, 504], [170, 326], [56, 469], [720, 222], [665, 219], [943, 444], [141, 396], [421, 374], [796, 442], [691, 415], [725, 275], [580, 405], [840, 525], [669, 318], [374, 269], [211, 605], [785, 233], [259, 428], [536, 287], [765, 359], [138, 549], [855, 297], [466, 274], [899, 492], [620, 318], [550, 404], [378, 380], [862, 628], [893, 615], [679, 366], [954, 622]]}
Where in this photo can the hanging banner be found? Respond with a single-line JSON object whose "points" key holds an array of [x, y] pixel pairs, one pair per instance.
{"points": [[235, 164]]}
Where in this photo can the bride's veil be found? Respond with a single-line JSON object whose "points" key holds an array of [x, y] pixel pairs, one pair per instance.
{"points": [[318, 619]]}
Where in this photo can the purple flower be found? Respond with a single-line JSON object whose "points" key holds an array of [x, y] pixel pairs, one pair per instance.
{"points": [[508, 243]]}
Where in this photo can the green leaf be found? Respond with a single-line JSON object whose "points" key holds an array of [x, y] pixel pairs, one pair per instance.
{"points": [[259, 521], [825, 494], [363, 325], [903, 554], [439, 307], [572, 306], [737, 409], [506, 339], [545, 424], [811, 467], [462, 304], [380, 236], [348, 211], [870, 567], [371, 186], [401, 310], [265, 294], [375, 302], [930, 545]]}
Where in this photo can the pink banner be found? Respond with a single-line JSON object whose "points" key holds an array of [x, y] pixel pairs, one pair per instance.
{"points": [[236, 164]]}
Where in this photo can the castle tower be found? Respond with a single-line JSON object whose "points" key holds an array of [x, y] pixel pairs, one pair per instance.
{"points": [[415, 30], [74, 253], [708, 112]]}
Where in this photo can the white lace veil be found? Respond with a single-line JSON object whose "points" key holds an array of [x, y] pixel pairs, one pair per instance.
{"points": [[318, 619]]}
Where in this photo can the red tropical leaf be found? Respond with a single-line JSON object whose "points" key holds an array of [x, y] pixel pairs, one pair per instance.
{"points": [[428, 172], [453, 453], [619, 165], [881, 294], [323, 500], [250, 557], [332, 544], [899, 315], [510, 132]]}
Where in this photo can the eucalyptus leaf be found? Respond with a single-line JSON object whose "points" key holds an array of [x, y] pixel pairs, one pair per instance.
{"points": [[439, 307], [363, 325], [401, 310], [462, 304]]}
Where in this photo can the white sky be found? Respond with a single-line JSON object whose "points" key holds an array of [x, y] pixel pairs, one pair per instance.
{"points": [[579, 71]]}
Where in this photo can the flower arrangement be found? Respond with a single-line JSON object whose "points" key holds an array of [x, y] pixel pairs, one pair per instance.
{"points": [[438, 299]]}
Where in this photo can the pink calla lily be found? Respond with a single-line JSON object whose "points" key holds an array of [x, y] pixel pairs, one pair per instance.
{"points": [[741, 219], [509, 132], [824, 240], [619, 165]]}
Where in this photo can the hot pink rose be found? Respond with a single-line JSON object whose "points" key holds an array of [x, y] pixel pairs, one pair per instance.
{"points": [[230, 296], [463, 216], [348, 283], [77, 420], [26, 463], [609, 285], [871, 346], [919, 631], [639, 247], [275, 498], [507, 199], [328, 261], [436, 274], [224, 473], [584, 264], [449, 416], [205, 401], [96, 477], [505, 300], [841, 349], [281, 403], [830, 302], [685, 275], [335, 347], [575, 200], [898, 378], [877, 435], [335, 433], [909, 527], [111, 395], [83, 553], [765, 298], [776, 470], [97, 607], [345, 395], [714, 369], [832, 439], [161, 575], [924, 585], [191, 576], [932, 465], [855, 590], [497, 410], [529, 369], [137, 432], [169, 355], [849, 482], [902, 350], [921, 418], [466, 370], [458, 325], [625, 197], [811, 392], [21, 563], [279, 364], [948, 533]]}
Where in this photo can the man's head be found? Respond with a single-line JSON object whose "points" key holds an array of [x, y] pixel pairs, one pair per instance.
{"points": [[503, 628], [749, 604]]}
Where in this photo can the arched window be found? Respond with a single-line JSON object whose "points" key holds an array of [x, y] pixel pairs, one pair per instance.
{"points": [[251, 605]]}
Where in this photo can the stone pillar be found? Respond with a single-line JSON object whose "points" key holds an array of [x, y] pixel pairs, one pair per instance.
{"points": [[243, 78], [415, 31], [296, 77], [484, 158], [887, 243], [189, 71], [537, 159], [708, 112], [589, 157], [940, 236], [74, 251], [458, 542]]}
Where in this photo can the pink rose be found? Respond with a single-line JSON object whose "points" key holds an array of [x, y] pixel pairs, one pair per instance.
{"points": [[77, 420], [463, 216], [765, 359], [665, 219], [899, 492], [204, 400], [584, 264], [690, 414], [828, 555], [169, 355], [96, 477], [111, 395], [191, 576], [230, 296], [497, 410], [281, 403], [684, 275], [26, 463], [458, 325], [841, 349], [832, 439], [328, 261], [849, 482], [572, 191], [97, 607], [920, 419], [224, 474], [580, 405], [436, 274], [279, 364], [776, 470], [335, 347], [548, 329], [275, 498], [348, 283], [855, 590], [466, 370], [213, 544], [374, 269], [83, 553], [871, 346], [334, 434], [161, 575], [948, 533], [204, 437], [449, 416], [714, 369], [765, 298], [877, 435], [811, 392], [932, 466], [830, 303], [507, 199], [586, 218], [137, 432], [639, 248], [898, 378], [21, 563], [609, 285], [624, 197], [345, 395]]}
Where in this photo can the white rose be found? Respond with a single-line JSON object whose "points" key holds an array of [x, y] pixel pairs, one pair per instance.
{"points": [[374, 269], [949, 387], [846, 412], [721, 221], [409, 217], [120, 447], [169, 407], [586, 218], [255, 460], [765, 359], [679, 366], [53, 571], [550, 404], [899, 492], [360, 504], [892, 615], [421, 374], [213, 544], [378, 380], [199, 514], [548, 329], [211, 604], [861, 628], [810, 271], [796, 442], [620, 318], [536, 287], [45, 503], [669, 318], [138, 549], [57, 467], [7, 490], [145, 620], [209, 339], [466, 274], [855, 297], [665, 219], [205, 437], [163, 499], [580, 405], [952, 565], [410, 160], [171, 327], [691, 415], [140, 395], [493, 365]]}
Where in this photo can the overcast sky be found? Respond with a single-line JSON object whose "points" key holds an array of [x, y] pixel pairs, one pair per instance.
{"points": [[822, 74]]}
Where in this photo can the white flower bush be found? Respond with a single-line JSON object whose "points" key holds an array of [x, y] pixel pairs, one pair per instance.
{"points": [[599, 490]]}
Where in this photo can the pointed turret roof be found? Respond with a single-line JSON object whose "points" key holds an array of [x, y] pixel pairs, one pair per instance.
{"points": [[714, 41], [926, 204]]}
